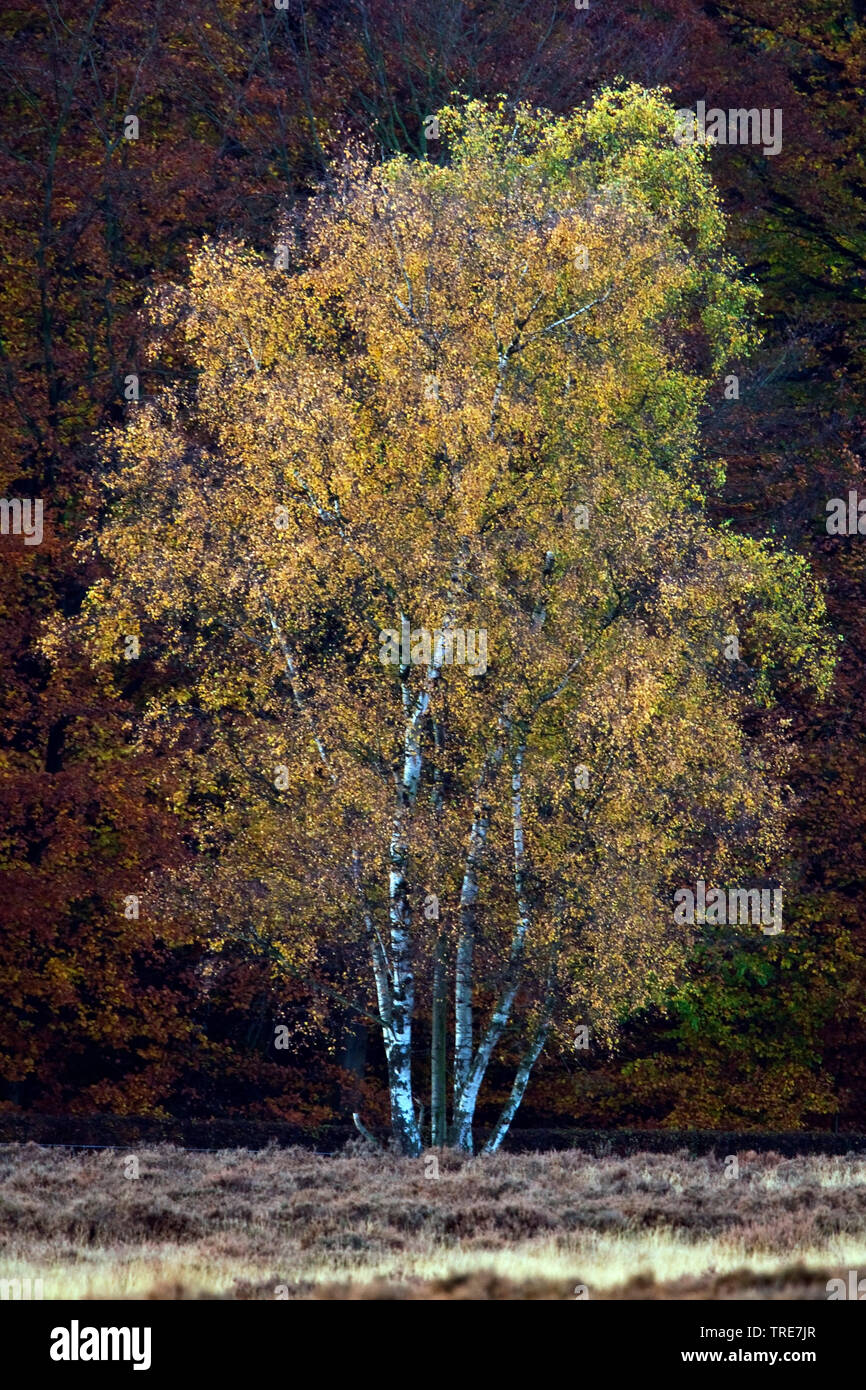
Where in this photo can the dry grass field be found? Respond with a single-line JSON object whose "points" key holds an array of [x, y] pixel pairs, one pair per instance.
{"points": [[284, 1223]]}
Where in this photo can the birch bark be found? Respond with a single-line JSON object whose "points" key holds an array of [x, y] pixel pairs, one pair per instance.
{"points": [[464, 977], [464, 1111]]}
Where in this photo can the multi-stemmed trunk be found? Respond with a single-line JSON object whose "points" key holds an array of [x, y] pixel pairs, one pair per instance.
{"points": [[394, 979], [395, 984]]}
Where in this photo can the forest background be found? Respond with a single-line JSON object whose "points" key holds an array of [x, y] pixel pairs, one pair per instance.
{"points": [[241, 109]]}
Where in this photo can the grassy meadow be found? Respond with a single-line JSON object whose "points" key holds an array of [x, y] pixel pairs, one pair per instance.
{"points": [[287, 1224]]}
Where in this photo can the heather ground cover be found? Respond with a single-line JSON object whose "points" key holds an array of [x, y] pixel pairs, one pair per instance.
{"points": [[288, 1224]]}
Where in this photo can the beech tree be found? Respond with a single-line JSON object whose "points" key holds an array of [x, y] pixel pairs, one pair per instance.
{"points": [[458, 672]]}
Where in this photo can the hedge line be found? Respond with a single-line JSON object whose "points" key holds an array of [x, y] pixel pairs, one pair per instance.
{"points": [[128, 1130]]}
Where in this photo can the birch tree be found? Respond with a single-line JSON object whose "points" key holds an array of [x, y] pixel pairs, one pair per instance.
{"points": [[417, 553]]}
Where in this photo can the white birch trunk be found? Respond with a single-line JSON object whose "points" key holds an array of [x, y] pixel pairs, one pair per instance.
{"points": [[403, 1118], [464, 1113], [509, 1110], [465, 952], [294, 682], [464, 974]]}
